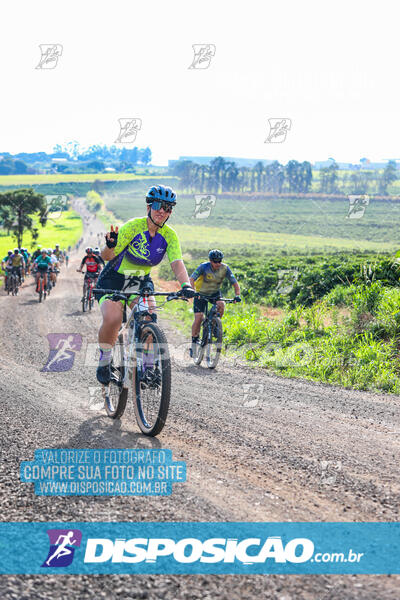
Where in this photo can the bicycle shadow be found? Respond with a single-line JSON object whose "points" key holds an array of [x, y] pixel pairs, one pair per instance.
{"points": [[109, 433], [75, 314], [29, 302], [198, 370]]}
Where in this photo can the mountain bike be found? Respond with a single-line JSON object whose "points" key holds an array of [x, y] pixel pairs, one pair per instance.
{"points": [[88, 297], [210, 339], [140, 365], [41, 289], [13, 282], [49, 285]]}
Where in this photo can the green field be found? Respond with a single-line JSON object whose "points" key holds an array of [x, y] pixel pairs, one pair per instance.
{"points": [[66, 231], [192, 236], [278, 223], [11, 180]]}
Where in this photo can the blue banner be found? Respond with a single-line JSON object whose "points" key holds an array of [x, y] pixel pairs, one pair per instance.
{"points": [[203, 548]]}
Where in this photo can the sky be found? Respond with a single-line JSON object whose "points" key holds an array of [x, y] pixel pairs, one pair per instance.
{"points": [[330, 68]]}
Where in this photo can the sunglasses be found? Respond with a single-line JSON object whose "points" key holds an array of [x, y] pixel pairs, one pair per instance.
{"points": [[166, 206]]}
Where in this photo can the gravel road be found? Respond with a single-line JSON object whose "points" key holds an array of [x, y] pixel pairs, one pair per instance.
{"points": [[303, 452]]}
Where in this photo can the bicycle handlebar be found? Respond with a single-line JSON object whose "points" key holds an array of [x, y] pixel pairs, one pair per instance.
{"points": [[171, 295], [214, 300]]}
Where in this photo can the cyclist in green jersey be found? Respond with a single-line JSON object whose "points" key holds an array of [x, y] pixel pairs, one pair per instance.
{"points": [[37, 252], [6, 265], [42, 264], [132, 251]]}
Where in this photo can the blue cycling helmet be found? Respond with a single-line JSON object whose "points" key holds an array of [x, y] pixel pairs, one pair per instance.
{"points": [[162, 194], [216, 255]]}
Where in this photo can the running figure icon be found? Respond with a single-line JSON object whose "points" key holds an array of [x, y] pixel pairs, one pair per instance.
{"points": [[62, 351], [62, 549]]}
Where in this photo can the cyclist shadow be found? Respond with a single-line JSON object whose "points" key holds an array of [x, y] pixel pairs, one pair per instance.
{"points": [[107, 433], [32, 301], [198, 370]]}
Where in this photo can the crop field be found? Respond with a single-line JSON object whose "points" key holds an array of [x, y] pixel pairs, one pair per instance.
{"points": [[276, 222], [12, 180]]}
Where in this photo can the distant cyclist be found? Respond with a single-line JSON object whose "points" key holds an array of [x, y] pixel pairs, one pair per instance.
{"points": [[207, 280], [42, 263], [53, 265], [132, 251], [93, 265], [96, 251], [26, 256], [6, 265], [57, 251], [18, 264], [37, 252]]}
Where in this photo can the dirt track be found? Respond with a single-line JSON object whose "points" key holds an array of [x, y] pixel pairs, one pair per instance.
{"points": [[305, 452]]}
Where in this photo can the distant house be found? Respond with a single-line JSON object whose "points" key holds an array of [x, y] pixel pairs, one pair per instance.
{"points": [[109, 170]]}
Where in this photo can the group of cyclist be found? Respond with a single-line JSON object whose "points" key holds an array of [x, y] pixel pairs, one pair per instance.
{"points": [[43, 261], [131, 251]]}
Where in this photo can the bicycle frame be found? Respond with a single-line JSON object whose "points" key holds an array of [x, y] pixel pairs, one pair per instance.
{"points": [[209, 314], [131, 325]]}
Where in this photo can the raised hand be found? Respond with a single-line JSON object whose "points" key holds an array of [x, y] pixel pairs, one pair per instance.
{"points": [[112, 237]]}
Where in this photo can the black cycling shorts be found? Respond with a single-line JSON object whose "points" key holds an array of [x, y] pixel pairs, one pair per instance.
{"points": [[112, 280], [200, 304]]}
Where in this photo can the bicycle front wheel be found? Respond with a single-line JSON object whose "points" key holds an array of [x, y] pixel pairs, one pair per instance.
{"points": [[214, 343], [199, 347], [152, 391], [84, 300], [114, 394]]}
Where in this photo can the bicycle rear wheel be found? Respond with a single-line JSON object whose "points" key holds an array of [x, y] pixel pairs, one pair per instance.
{"points": [[114, 394], [152, 391], [214, 345]]}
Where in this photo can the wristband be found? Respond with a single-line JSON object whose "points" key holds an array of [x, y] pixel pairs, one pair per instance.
{"points": [[185, 284]]}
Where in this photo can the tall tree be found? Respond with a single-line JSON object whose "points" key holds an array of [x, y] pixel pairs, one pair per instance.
{"points": [[389, 175], [17, 210]]}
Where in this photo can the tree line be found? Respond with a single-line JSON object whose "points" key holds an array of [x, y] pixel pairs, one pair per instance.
{"points": [[76, 159], [222, 175]]}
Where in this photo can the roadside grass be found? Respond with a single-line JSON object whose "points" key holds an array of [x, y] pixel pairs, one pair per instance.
{"points": [[359, 351]]}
